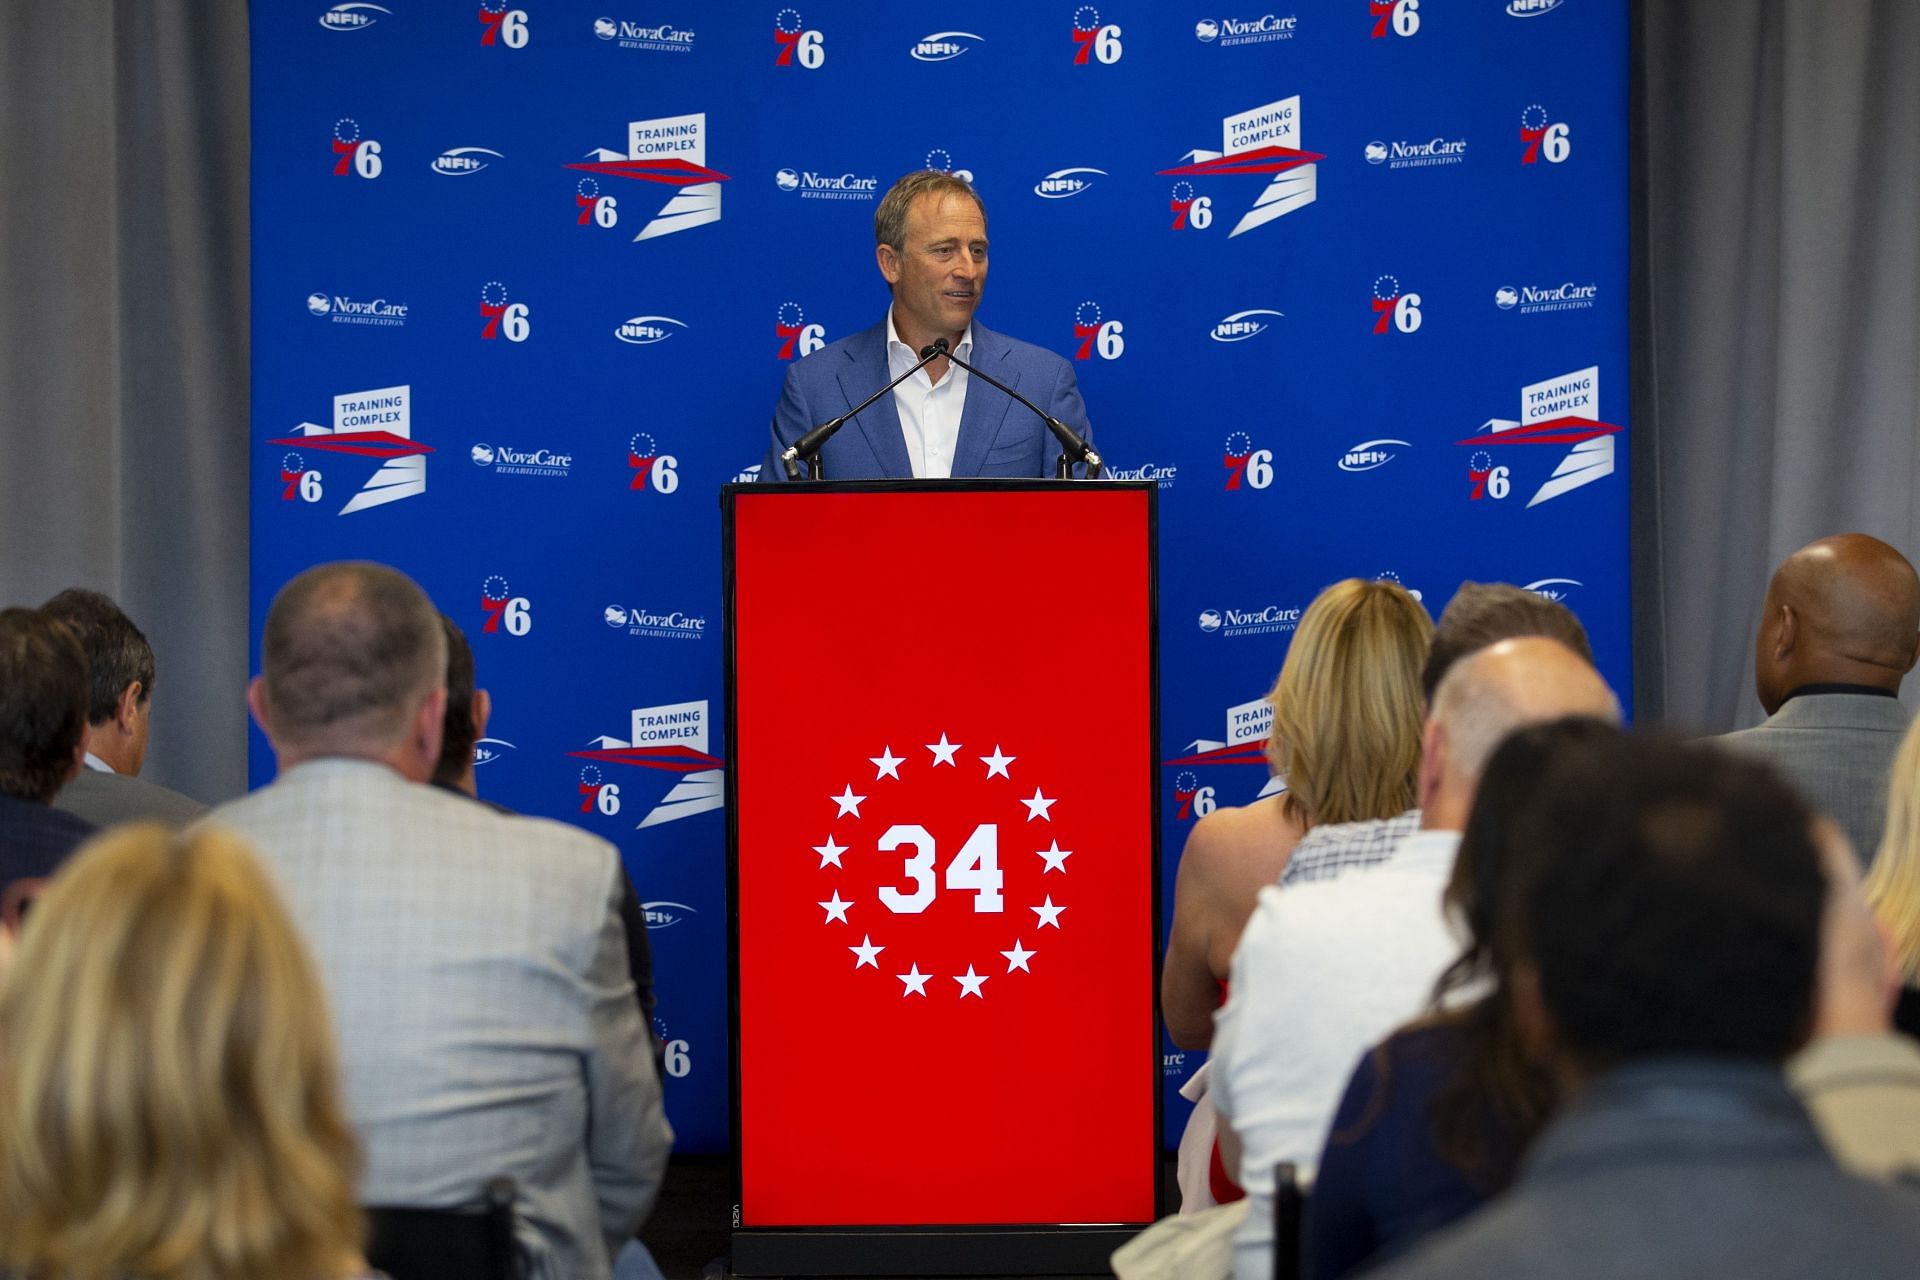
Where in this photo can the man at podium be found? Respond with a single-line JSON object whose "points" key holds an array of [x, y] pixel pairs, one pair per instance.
{"points": [[930, 235]]}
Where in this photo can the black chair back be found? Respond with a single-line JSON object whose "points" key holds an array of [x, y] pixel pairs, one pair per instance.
{"points": [[446, 1244], [1289, 1218]]}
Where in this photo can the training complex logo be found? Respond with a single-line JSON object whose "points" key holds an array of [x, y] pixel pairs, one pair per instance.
{"points": [[1264, 140], [671, 150], [1247, 727], [671, 738], [1558, 411], [366, 424]]}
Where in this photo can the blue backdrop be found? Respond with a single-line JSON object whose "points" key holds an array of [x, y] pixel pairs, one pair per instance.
{"points": [[1349, 280]]}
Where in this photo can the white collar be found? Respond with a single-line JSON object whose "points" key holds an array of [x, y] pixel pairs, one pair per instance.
{"points": [[98, 765], [964, 350]]}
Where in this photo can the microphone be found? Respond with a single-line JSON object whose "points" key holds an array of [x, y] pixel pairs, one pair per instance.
{"points": [[1071, 445], [808, 446]]}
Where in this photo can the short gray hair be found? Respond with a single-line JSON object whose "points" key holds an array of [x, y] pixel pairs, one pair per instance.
{"points": [[890, 219], [348, 651]]}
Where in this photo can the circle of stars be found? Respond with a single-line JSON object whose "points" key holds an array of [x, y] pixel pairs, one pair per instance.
{"points": [[1386, 288], [943, 754], [494, 588]]}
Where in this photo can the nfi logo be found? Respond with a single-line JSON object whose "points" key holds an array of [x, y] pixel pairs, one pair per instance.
{"points": [[644, 331], [1242, 325], [944, 46], [1062, 184], [665, 915], [1371, 454], [355, 16]]}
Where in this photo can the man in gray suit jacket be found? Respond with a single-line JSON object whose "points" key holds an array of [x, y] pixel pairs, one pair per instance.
{"points": [[1838, 633], [475, 962], [119, 709], [1669, 901]]}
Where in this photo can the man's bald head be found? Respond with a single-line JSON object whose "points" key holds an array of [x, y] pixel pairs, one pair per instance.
{"points": [[1843, 610], [1486, 696]]}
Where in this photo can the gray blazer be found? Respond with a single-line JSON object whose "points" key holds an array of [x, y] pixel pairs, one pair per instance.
{"points": [[108, 799], [1837, 748], [477, 971], [1680, 1167]]}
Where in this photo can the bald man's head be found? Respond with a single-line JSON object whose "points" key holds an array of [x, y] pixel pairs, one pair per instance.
{"points": [[1486, 696], [1843, 610]]}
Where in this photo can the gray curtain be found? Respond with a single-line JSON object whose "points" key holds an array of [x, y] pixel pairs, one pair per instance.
{"points": [[1778, 343], [123, 343]]}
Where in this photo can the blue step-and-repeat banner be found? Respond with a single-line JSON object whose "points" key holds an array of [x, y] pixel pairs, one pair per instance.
{"points": [[1349, 280]]}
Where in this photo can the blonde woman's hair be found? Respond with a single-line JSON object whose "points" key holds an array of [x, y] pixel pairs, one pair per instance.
{"points": [[1893, 884], [169, 1101], [1348, 706]]}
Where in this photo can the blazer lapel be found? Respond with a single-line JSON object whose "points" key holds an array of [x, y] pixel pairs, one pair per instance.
{"points": [[864, 373], [987, 406]]}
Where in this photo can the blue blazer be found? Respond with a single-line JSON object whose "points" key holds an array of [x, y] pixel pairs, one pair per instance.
{"points": [[998, 436]]}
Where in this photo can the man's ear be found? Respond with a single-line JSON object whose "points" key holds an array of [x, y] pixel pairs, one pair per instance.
{"points": [[889, 262], [430, 725], [78, 762], [482, 711], [257, 704], [1433, 762], [1789, 632], [127, 710]]}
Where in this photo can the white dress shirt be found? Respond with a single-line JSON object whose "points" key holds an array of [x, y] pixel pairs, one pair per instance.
{"points": [[98, 765], [1323, 971], [929, 411]]}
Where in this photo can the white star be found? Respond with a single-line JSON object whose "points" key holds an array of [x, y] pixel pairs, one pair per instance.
{"points": [[849, 803], [1018, 957], [1049, 914], [916, 981], [830, 852], [866, 951], [1038, 806], [997, 763], [943, 753], [970, 985], [1056, 858], [837, 910], [888, 764]]}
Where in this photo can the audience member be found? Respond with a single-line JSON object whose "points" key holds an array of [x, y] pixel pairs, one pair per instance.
{"points": [[43, 727], [468, 709], [169, 1097], [1838, 633], [476, 963], [119, 708], [1670, 923], [1326, 969], [1479, 614], [1435, 1117], [1346, 740], [1893, 883], [1860, 1080]]}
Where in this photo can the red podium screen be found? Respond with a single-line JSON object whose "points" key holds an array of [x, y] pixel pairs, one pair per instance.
{"points": [[942, 719]]}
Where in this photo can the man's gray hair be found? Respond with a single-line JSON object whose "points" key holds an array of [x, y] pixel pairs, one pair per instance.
{"points": [[348, 651], [1479, 703], [890, 219]]}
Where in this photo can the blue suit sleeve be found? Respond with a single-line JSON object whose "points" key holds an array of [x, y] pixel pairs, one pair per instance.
{"points": [[1340, 1228], [790, 422]]}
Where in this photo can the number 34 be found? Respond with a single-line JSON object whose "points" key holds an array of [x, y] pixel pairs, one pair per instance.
{"points": [[975, 867]]}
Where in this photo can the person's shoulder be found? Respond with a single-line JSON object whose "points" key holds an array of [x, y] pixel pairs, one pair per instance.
{"points": [[1019, 351], [855, 346]]}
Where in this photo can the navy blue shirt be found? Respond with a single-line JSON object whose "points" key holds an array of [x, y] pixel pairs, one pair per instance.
{"points": [[36, 838], [1381, 1186]]}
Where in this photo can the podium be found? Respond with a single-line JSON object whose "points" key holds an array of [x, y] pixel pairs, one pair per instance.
{"points": [[942, 857]]}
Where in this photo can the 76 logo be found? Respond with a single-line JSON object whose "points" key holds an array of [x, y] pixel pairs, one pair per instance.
{"points": [[1246, 464], [1391, 306], [1093, 38], [504, 610], [1403, 16], [352, 152], [504, 320], [1543, 139], [503, 25]]}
